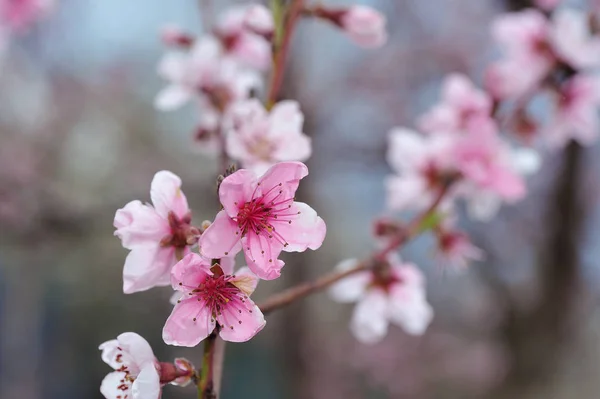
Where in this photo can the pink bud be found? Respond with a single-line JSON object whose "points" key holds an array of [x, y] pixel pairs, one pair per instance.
{"points": [[174, 36], [364, 25]]}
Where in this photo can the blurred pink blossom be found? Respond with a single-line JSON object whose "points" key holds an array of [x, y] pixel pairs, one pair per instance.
{"points": [[261, 217], [156, 235], [18, 15], [259, 138], [244, 30], [461, 101], [573, 40], [576, 112], [523, 38], [547, 4], [136, 372], [455, 249], [421, 164], [212, 295], [396, 294], [364, 25], [204, 73]]}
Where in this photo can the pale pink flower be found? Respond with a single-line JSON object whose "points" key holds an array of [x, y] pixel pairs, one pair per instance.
{"points": [[261, 217], [573, 40], [422, 165], [364, 25], [211, 296], [243, 31], [523, 38], [492, 171], [204, 73], [461, 101], [393, 293], [156, 235], [547, 5], [259, 138], [136, 374], [19, 15], [174, 36], [455, 249], [576, 113]]}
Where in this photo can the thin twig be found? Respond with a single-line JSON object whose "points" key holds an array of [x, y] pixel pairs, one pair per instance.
{"points": [[281, 50], [303, 290], [206, 383]]}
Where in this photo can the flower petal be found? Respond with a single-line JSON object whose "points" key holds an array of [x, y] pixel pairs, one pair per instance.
{"points": [[240, 321], [227, 264], [409, 309], [113, 388], [139, 224], [190, 272], [166, 194], [236, 189], [369, 322], [137, 347], [172, 97], [288, 174], [190, 322], [261, 254], [353, 287], [147, 383], [306, 230], [245, 280], [147, 267], [220, 239]]}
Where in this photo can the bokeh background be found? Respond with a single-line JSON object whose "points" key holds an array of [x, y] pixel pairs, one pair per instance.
{"points": [[79, 138]]}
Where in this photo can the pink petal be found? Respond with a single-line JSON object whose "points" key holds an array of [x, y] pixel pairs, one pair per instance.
{"points": [[240, 321], [261, 255], [235, 190], [306, 230], [166, 194], [409, 309], [182, 330], [508, 184], [288, 174], [147, 267], [297, 147], [406, 149], [227, 264], [369, 322], [220, 239], [147, 383], [110, 384], [139, 224], [353, 287], [190, 272], [408, 191], [245, 280]]}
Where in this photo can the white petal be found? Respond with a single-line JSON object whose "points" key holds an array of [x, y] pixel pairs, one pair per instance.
{"points": [[137, 347], [351, 288], [172, 97], [369, 322], [147, 383]]}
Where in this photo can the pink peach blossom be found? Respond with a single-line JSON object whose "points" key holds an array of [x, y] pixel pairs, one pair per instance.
{"points": [[204, 73], [421, 164], [136, 374], [547, 5], [19, 15], [461, 100], [523, 38], [156, 235], [258, 138], [395, 294], [261, 217], [243, 31], [211, 296], [576, 113], [573, 40], [455, 249], [364, 25]]}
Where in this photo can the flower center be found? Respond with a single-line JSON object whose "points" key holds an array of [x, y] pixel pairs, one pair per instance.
{"points": [[182, 233], [261, 214], [261, 148]]}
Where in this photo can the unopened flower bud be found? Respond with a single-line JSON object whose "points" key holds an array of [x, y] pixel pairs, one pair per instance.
{"points": [[187, 368], [364, 25], [175, 37], [205, 225], [259, 20]]}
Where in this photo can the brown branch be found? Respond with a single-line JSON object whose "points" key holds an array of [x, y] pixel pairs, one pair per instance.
{"points": [[281, 50], [303, 290], [206, 384]]}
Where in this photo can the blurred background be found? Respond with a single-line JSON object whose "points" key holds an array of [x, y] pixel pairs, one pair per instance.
{"points": [[79, 138]]}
